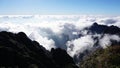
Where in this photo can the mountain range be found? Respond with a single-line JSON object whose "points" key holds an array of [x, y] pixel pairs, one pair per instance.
{"points": [[18, 51]]}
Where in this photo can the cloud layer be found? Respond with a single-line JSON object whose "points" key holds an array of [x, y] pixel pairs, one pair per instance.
{"points": [[64, 31]]}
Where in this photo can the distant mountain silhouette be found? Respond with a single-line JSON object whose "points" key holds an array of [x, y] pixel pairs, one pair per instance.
{"points": [[104, 29], [96, 28], [98, 57], [18, 51]]}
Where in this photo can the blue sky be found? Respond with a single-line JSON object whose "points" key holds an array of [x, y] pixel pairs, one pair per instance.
{"points": [[81, 7]]}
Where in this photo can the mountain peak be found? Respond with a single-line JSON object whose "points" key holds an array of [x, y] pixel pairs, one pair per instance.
{"points": [[103, 29]]}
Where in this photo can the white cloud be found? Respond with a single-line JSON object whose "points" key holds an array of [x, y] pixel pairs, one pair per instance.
{"points": [[47, 43], [59, 30], [106, 40], [79, 45]]}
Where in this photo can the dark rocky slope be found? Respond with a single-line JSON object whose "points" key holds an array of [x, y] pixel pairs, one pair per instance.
{"points": [[103, 58], [103, 29], [18, 51], [94, 30]]}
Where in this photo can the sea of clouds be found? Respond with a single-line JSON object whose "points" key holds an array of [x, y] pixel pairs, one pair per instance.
{"points": [[53, 31]]}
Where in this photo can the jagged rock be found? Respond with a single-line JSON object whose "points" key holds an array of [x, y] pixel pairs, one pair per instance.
{"points": [[103, 58], [62, 58], [17, 50], [103, 29]]}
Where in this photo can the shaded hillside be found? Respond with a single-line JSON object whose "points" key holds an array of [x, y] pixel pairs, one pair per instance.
{"points": [[102, 35], [18, 51], [103, 58], [103, 29]]}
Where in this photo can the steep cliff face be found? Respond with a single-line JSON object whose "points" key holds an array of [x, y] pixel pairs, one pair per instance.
{"points": [[103, 58], [62, 58], [17, 50]]}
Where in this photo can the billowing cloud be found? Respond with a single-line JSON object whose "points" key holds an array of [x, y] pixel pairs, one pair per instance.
{"points": [[47, 43], [77, 46], [64, 31], [106, 40]]}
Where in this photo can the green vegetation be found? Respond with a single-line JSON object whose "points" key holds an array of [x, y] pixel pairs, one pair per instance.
{"points": [[103, 58]]}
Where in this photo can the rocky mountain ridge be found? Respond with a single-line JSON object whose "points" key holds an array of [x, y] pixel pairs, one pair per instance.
{"points": [[18, 51]]}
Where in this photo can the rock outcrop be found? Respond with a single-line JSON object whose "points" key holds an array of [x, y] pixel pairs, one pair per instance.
{"points": [[103, 58], [18, 51]]}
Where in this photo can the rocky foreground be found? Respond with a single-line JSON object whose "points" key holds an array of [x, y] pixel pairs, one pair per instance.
{"points": [[103, 58], [18, 51]]}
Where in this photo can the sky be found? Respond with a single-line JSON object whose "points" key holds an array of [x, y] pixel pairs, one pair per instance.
{"points": [[57, 7]]}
